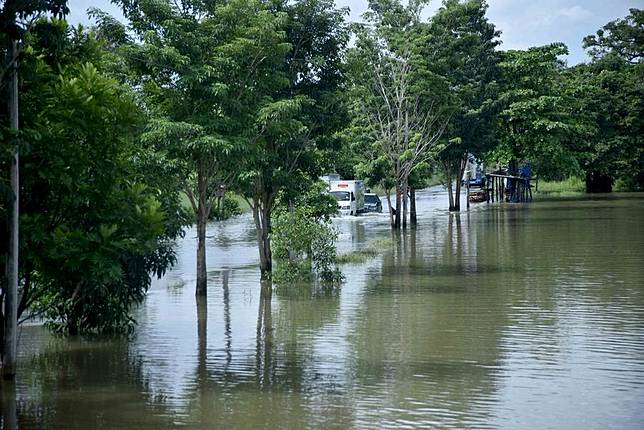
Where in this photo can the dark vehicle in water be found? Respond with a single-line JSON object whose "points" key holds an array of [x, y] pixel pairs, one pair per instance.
{"points": [[372, 203]]}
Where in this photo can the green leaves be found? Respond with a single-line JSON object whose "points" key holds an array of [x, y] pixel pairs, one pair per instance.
{"points": [[621, 37]]}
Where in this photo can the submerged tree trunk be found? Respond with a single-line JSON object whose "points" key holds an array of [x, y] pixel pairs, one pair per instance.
{"points": [[10, 332], [201, 205], [405, 201], [262, 209], [450, 194], [391, 210], [398, 207], [598, 183], [412, 207], [202, 273], [202, 221]]}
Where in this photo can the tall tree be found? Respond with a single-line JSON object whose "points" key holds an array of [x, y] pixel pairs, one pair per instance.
{"points": [[461, 46], [611, 90], [16, 19], [93, 229], [296, 119], [539, 119], [204, 69], [395, 96]]}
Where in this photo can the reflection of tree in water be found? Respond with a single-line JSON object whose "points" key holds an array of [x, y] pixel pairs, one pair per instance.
{"points": [[428, 335], [8, 407], [266, 387], [82, 384]]}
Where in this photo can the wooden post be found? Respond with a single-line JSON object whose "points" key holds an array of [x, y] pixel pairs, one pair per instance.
{"points": [[11, 295], [467, 196]]}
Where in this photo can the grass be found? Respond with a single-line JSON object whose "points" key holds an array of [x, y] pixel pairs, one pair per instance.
{"points": [[572, 185], [243, 204], [433, 181], [360, 256]]}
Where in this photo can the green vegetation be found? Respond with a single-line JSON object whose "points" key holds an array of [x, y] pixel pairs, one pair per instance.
{"points": [[372, 249], [131, 131], [572, 185], [304, 240]]}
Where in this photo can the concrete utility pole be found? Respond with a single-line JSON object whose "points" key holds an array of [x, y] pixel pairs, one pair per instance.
{"points": [[11, 295]]}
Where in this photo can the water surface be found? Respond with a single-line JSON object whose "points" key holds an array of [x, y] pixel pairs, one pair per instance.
{"points": [[511, 316]]}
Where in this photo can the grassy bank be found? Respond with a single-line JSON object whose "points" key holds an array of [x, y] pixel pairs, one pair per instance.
{"points": [[243, 204], [570, 186]]}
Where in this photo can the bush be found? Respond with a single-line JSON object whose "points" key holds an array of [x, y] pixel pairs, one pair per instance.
{"points": [[224, 208], [304, 246]]}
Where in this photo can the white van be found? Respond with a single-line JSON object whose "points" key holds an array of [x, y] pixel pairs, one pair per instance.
{"points": [[350, 196]]}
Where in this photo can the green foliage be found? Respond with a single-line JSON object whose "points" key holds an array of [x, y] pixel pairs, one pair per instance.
{"points": [[398, 102], [460, 46], [538, 121], [225, 207], [611, 90], [304, 247], [622, 37], [572, 185], [303, 239], [95, 223]]}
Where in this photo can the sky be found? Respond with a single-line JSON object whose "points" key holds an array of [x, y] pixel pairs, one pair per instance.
{"points": [[523, 23]]}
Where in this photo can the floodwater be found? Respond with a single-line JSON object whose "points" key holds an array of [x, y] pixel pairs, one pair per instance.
{"points": [[506, 317]]}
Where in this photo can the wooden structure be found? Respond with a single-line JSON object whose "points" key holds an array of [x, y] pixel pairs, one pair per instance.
{"points": [[509, 188]]}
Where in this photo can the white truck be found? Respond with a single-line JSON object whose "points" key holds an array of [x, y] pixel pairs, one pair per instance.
{"points": [[350, 196]]}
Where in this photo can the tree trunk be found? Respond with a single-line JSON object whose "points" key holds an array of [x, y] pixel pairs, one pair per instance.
{"points": [[412, 207], [391, 210], [450, 193], [398, 207], [203, 211], [598, 183], [460, 169], [8, 406], [457, 196], [10, 338], [266, 241], [202, 274], [262, 218], [405, 201]]}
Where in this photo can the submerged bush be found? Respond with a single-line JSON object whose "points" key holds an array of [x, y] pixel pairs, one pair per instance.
{"points": [[224, 208], [304, 246]]}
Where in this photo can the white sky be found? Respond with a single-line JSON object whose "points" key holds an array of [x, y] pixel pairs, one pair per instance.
{"points": [[523, 23]]}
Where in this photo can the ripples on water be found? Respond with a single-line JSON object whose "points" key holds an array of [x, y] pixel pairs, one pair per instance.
{"points": [[517, 316]]}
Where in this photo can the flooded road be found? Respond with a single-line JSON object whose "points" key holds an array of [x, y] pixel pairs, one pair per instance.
{"points": [[506, 317]]}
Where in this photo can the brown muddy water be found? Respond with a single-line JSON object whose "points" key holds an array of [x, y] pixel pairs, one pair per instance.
{"points": [[506, 317]]}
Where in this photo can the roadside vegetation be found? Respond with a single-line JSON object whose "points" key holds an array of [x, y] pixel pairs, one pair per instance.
{"points": [[572, 185], [125, 133], [372, 249]]}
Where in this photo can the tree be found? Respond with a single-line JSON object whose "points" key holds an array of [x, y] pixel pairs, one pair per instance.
{"points": [[204, 69], [395, 95], [16, 18], [622, 37], [461, 47], [539, 120], [296, 118], [610, 90], [94, 227]]}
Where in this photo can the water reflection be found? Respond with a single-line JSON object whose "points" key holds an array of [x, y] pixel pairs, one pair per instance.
{"points": [[8, 407], [503, 317], [265, 363]]}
